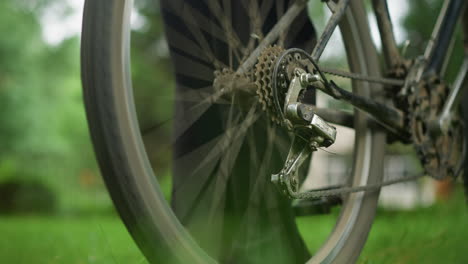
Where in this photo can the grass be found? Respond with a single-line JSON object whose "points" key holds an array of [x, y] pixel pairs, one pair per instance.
{"points": [[437, 234], [433, 235], [40, 240]]}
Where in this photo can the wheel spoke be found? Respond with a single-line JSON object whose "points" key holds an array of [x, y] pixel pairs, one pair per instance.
{"points": [[198, 95], [228, 15], [223, 18], [279, 13], [191, 96], [256, 23], [228, 160], [224, 140], [232, 38], [258, 183], [322, 42], [212, 151], [185, 121], [253, 152], [265, 9], [191, 115], [197, 70], [185, 12], [264, 205], [181, 42], [273, 35]]}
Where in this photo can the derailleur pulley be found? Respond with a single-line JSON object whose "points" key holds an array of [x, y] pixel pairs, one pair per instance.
{"points": [[310, 131]]}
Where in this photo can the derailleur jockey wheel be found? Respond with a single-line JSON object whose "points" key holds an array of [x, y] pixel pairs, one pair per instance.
{"points": [[286, 80]]}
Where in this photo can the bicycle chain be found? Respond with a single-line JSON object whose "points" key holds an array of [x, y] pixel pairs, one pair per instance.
{"points": [[319, 193], [263, 83], [360, 77], [452, 169]]}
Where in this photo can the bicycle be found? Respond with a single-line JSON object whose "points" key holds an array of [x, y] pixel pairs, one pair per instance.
{"points": [[247, 76]]}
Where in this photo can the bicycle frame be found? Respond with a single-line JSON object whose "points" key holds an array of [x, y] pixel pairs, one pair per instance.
{"points": [[437, 47], [436, 54], [433, 62], [440, 42]]}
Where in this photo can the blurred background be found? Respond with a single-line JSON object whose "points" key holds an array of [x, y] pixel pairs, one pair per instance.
{"points": [[54, 207]]}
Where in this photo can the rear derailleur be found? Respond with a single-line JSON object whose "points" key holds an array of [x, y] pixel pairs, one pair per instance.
{"points": [[293, 77]]}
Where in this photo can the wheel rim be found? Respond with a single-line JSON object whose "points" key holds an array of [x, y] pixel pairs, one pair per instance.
{"points": [[157, 209], [329, 252]]}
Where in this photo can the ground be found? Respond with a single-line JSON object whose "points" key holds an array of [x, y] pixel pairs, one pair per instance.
{"points": [[436, 234]]}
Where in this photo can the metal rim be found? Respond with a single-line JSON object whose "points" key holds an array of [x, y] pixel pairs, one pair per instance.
{"points": [[156, 208]]}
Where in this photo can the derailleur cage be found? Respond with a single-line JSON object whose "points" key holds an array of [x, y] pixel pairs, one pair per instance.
{"points": [[310, 131]]}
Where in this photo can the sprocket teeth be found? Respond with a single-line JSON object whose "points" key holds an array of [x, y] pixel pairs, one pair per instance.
{"points": [[263, 70], [438, 158]]}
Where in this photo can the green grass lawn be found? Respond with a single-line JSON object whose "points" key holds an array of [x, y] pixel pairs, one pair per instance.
{"points": [[77, 240], [433, 235], [437, 234]]}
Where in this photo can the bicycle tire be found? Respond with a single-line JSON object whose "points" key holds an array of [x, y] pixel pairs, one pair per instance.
{"points": [[125, 167]]}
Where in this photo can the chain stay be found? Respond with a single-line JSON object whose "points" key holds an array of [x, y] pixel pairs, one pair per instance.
{"points": [[300, 120], [365, 78]]}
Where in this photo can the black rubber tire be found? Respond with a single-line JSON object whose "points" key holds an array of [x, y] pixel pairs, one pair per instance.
{"points": [[103, 28], [126, 169]]}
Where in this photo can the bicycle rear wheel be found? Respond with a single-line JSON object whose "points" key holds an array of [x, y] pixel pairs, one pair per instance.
{"points": [[129, 175]]}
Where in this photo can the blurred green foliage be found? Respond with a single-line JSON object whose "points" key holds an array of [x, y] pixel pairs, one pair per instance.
{"points": [[419, 24], [43, 131], [44, 137]]}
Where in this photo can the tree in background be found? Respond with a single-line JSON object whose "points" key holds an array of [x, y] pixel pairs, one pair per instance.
{"points": [[419, 23], [43, 131]]}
